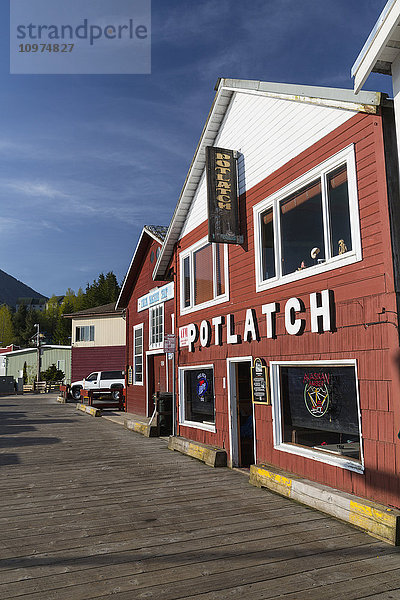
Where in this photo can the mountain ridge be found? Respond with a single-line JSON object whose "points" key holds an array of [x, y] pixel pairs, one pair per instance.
{"points": [[11, 289]]}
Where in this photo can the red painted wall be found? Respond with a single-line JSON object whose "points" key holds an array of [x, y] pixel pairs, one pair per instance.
{"points": [[361, 290], [137, 395], [101, 358]]}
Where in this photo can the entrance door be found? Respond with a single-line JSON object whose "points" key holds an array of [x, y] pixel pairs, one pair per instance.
{"points": [[242, 422], [157, 376], [160, 373]]}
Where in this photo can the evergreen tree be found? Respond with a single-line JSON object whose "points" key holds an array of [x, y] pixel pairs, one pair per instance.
{"points": [[6, 326], [19, 323], [62, 333]]}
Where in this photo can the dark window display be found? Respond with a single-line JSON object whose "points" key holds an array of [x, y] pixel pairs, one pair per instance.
{"points": [[198, 395], [319, 408]]}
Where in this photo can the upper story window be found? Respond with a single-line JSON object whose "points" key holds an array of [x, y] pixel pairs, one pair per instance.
{"points": [[138, 354], [84, 333], [156, 326], [311, 225], [204, 275]]}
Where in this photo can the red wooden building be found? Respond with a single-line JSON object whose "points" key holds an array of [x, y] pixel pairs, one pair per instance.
{"points": [[149, 313], [311, 289]]}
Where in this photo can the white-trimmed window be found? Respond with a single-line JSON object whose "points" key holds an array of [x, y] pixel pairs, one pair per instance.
{"points": [[138, 354], [204, 275], [316, 411], [84, 333], [196, 397], [156, 326], [309, 226]]}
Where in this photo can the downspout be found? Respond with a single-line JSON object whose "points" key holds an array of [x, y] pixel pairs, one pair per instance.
{"points": [[393, 194], [176, 353]]}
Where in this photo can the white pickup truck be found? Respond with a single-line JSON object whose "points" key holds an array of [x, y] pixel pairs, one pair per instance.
{"points": [[112, 381]]}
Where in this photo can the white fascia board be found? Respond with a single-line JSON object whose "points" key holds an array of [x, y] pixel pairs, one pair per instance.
{"points": [[323, 96], [376, 43], [367, 104]]}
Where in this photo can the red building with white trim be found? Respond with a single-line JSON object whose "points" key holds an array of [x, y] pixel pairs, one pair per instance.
{"points": [[149, 314], [312, 290]]}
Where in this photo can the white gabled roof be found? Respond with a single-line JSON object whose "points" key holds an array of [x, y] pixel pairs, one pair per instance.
{"points": [[225, 90], [381, 48]]}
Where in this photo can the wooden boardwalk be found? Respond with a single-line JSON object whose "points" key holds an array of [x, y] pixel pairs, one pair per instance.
{"points": [[90, 510]]}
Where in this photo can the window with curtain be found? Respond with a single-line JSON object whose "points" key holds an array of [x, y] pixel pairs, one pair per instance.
{"points": [[203, 274], [84, 333]]}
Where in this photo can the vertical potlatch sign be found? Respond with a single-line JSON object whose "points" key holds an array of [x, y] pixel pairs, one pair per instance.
{"points": [[223, 203]]}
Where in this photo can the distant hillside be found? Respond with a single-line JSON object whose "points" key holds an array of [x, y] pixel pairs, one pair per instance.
{"points": [[11, 289]]}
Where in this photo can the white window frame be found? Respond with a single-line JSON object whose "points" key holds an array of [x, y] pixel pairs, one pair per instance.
{"points": [[345, 156], [157, 345], [136, 328], [189, 252], [319, 456], [181, 383], [91, 329]]}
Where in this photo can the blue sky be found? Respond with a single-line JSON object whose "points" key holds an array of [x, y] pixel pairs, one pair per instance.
{"points": [[87, 160]]}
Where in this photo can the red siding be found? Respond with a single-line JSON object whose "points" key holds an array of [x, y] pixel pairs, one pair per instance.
{"points": [[361, 291], [137, 395], [102, 358]]}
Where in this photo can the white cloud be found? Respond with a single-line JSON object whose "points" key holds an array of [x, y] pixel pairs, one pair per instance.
{"points": [[37, 189]]}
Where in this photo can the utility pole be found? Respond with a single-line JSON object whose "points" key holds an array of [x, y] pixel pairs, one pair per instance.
{"points": [[38, 350]]}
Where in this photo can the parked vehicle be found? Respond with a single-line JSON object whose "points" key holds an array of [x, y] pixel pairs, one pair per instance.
{"points": [[102, 381]]}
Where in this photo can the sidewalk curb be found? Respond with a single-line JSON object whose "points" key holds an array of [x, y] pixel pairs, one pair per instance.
{"points": [[139, 427], [90, 410], [375, 519], [210, 455]]}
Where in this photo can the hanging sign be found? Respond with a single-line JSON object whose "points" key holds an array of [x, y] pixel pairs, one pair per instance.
{"points": [[222, 195], [161, 294], [169, 343], [259, 384]]}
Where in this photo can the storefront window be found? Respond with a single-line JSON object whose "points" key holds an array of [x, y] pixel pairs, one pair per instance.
{"points": [[309, 226], [197, 396], [203, 275], [316, 407]]}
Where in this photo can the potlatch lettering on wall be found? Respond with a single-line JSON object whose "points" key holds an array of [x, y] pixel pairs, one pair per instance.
{"points": [[321, 317], [223, 209]]}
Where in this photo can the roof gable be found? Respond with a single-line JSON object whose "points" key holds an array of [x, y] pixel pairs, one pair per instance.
{"points": [[227, 90], [149, 233]]}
